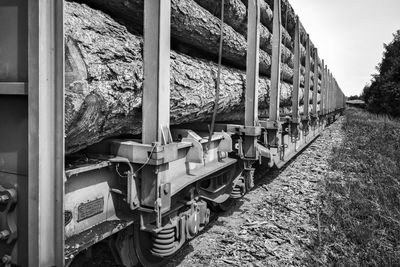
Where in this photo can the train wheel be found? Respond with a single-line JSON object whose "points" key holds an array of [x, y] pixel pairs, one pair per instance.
{"points": [[143, 243], [222, 207], [134, 249]]}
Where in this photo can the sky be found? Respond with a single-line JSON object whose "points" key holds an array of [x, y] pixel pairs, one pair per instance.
{"points": [[349, 35]]}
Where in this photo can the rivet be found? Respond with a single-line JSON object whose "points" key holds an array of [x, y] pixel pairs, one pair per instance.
{"points": [[6, 259], [4, 234], [4, 198]]}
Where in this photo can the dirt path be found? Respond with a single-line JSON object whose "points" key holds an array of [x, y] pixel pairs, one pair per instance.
{"points": [[274, 225]]}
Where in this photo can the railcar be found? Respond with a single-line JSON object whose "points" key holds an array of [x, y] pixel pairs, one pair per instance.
{"points": [[146, 196]]}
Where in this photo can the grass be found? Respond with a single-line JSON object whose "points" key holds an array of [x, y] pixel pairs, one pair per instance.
{"points": [[360, 218]]}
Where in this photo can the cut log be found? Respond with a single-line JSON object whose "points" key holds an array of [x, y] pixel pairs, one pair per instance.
{"points": [[236, 16], [104, 82], [192, 25], [288, 20]]}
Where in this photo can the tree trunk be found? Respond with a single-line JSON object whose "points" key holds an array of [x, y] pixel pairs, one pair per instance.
{"points": [[235, 15], [104, 82], [194, 26]]}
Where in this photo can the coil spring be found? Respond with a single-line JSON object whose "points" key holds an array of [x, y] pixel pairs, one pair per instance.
{"points": [[164, 242], [236, 192]]}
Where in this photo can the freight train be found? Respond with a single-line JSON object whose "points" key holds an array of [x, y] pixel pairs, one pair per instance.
{"points": [[146, 196]]}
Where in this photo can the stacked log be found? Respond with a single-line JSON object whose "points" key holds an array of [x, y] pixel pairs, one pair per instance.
{"points": [[104, 70], [192, 24]]}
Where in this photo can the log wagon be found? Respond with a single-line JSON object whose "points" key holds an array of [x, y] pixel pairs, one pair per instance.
{"points": [[108, 135]]}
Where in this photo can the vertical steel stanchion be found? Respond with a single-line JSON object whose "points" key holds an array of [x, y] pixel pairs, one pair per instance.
{"points": [[252, 70], [305, 120], [273, 122], [296, 75]]}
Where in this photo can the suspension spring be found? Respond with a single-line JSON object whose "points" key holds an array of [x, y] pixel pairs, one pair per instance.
{"points": [[164, 242], [237, 191]]}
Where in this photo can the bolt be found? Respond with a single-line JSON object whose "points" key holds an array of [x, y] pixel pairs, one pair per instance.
{"points": [[166, 189], [4, 199], [6, 259], [4, 234]]}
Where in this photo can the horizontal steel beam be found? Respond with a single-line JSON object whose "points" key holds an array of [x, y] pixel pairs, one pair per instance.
{"points": [[17, 88]]}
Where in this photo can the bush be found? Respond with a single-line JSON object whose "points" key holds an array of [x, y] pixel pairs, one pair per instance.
{"points": [[383, 95]]}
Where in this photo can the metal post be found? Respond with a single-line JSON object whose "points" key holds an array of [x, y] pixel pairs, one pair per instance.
{"points": [[253, 44], [323, 91], [156, 93], [326, 84], [296, 75], [335, 94], [46, 133], [307, 79], [315, 88], [252, 66], [339, 95], [273, 123], [330, 99], [276, 64], [328, 91], [156, 98], [342, 100]]}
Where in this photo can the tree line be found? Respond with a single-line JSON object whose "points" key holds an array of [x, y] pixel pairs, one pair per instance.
{"points": [[383, 95]]}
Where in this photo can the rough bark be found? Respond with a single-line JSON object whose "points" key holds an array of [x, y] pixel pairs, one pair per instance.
{"points": [[288, 24], [104, 80], [192, 25], [235, 15], [288, 20]]}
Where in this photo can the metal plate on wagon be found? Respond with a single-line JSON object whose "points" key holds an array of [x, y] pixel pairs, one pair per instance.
{"points": [[90, 209]]}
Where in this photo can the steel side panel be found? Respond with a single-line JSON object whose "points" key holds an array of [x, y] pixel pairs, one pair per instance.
{"points": [[87, 185], [13, 43], [13, 134], [197, 174], [293, 153], [295, 148]]}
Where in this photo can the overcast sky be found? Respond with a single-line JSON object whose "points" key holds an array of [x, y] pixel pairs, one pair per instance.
{"points": [[349, 35]]}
